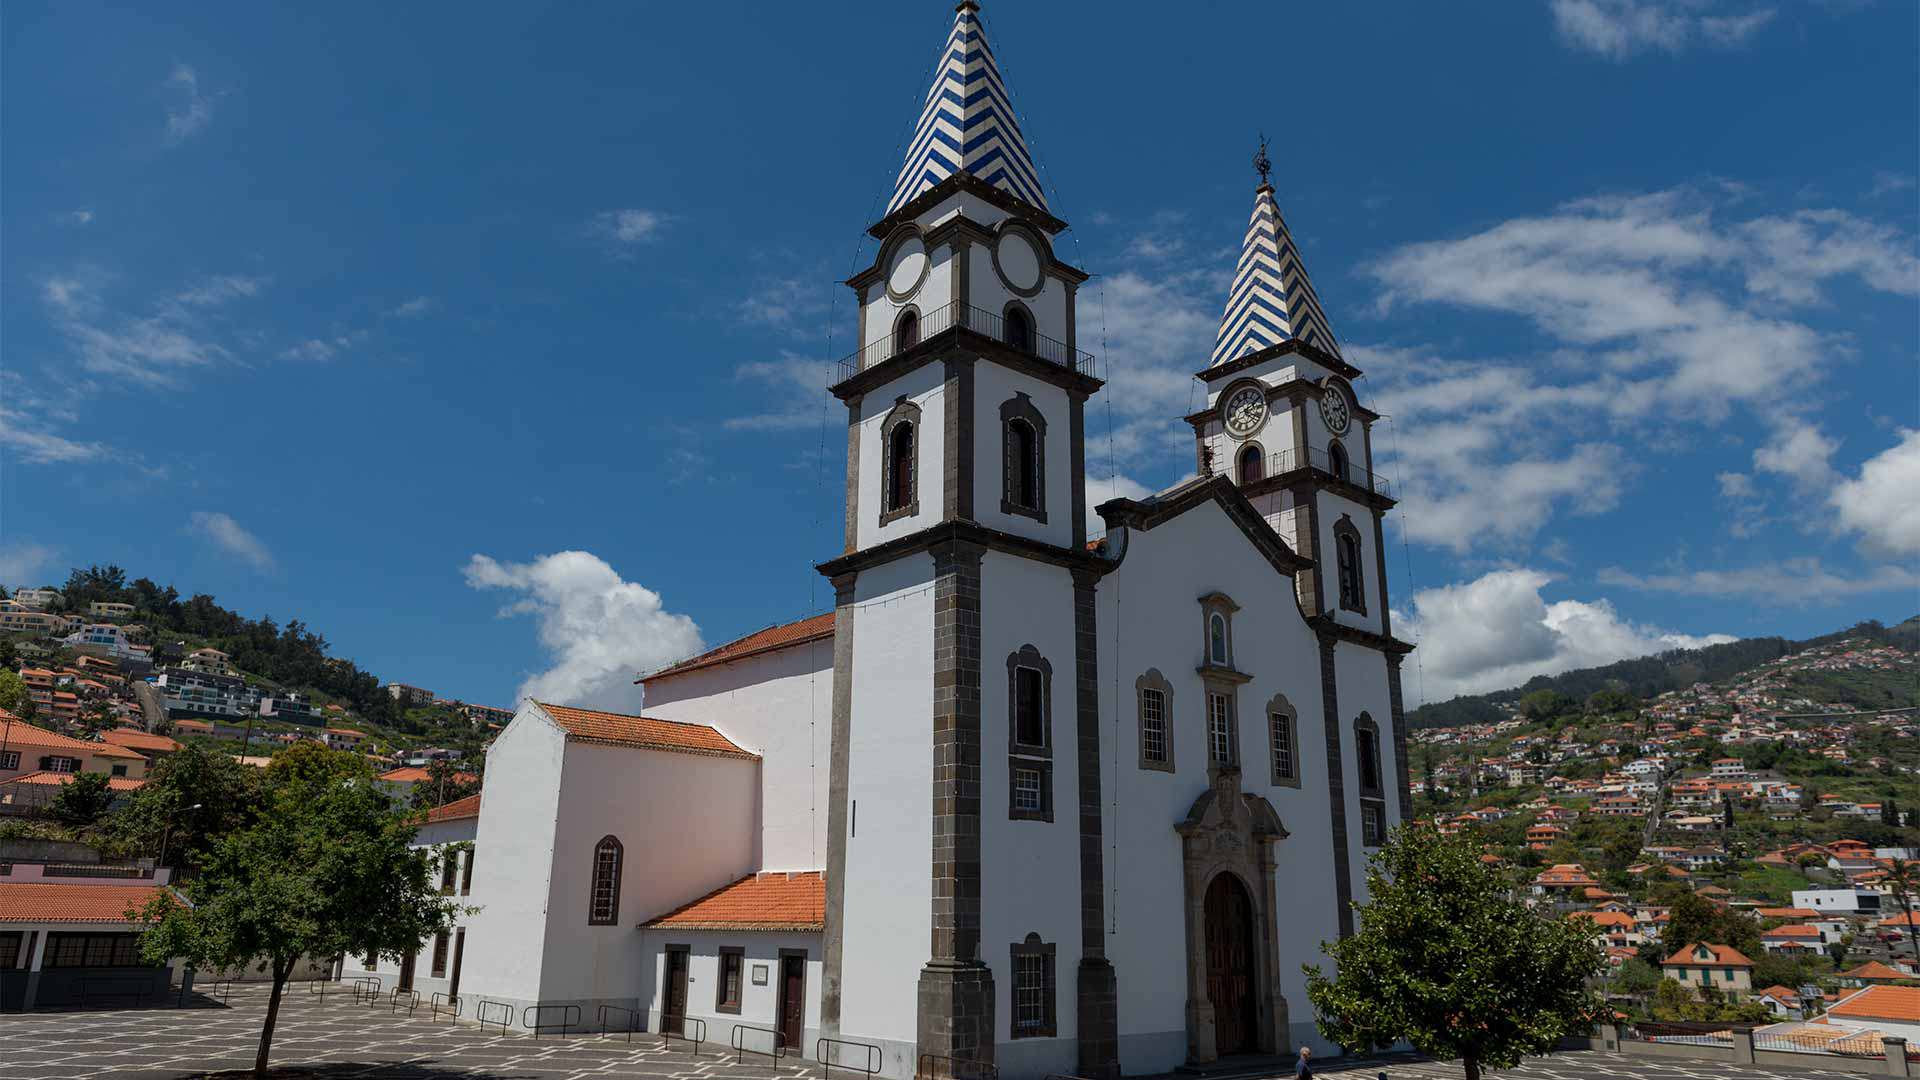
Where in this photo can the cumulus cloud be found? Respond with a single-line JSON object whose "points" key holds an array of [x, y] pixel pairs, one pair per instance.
{"points": [[20, 564], [1792, 583], [598, 630], [1103, 488], [1882, 504], [1497, 631], [190, 110], [1618, 29], [798, 388], [625, 230], [227, 535]]}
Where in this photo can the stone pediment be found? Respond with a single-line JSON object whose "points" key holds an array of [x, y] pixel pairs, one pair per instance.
{"points": [[1224, 810]]}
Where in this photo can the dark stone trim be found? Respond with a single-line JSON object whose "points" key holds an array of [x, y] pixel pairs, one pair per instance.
{"points": [[968, 532], [1353, 635], [1042, 255], [1145, 515], [853, 472], [972, 343], [1336, 787], [1151, 679], [957, 439], [1072, 337], [1401, 766], [903, 412], [956, 1003], [1217, 603], [1380, 568], [1316, 478], [1077, 466], [1313, 586], [901, 235], [833, 942], [1292, 345], [619, 875], [960, 266], [1294, 390], [1033, 946], [1278, 705], [1035, 756], [1226, 684], [1345, 529], [1096, 997], [1021, 407], [972, 185]]}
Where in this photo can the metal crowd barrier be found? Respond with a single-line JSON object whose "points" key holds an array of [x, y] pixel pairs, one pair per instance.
{"points": [[442, 1003], [366, 989], [569, 1018], [631, 1025], [699, 1026], [404, 998], [827, 1053], [481, 1008], [738, 1041]]}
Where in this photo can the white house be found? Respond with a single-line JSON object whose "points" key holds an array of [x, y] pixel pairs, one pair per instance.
{"points": [[436, 968], [1021, 798], [1838, 901]]}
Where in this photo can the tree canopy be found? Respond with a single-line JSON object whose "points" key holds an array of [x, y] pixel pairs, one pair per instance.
{"points": [[81, 800], [1447, 960], [1693, 917], [190, 799]]}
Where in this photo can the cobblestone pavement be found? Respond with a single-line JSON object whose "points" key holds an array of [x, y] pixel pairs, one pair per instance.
{"points": [[335, 1037]]}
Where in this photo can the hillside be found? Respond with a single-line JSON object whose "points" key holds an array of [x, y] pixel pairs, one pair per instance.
{"points": [[1650, 676]]}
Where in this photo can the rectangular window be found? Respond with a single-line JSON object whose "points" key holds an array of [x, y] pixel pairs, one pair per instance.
{"points": [[440, 955], [373, 961], [1220, 750], [728, 992], [1372, 824], [449, 866], [1153, 726], [119, 770], [63, 764], [93, 951], [1029, 708], [10, 950], [10, 760], [1282, 746], [466, 873], [1029, 789], [1033, 990]]}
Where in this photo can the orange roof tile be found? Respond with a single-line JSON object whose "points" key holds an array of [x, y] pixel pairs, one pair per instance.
{"points": [[406, 774], [1898, 1003], [643, 732], [1873, 969], [1723, 956], [25, 901], [135, 739], [54, 779], [776, 901], [1786, 913], [1605, 918], [1793, 930], [15, 734], [760, 641], [456, 810]]}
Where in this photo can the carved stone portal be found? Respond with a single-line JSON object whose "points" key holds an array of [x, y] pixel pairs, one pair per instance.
{"points": [[1228, 832]]}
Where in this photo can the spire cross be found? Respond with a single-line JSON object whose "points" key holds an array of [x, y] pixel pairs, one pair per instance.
{"points": [[1261, 164]]}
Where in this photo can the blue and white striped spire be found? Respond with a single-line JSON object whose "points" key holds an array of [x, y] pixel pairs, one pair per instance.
{"points": [[968, 124], [1272, 300]]}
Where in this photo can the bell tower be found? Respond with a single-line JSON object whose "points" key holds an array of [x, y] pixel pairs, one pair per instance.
{"points": [[964, 637]]}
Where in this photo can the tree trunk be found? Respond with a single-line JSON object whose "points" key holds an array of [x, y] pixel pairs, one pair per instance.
{"points": [[280, 972], [1473, 1067]]}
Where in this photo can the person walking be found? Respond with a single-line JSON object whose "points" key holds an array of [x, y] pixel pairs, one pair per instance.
{"points": [[1304, 1069]]}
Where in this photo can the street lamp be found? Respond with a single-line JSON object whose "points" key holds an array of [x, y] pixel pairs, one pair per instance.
{"points": [[168, 831]]}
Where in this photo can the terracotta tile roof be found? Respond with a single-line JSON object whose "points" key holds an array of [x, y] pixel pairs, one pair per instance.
{"points": [[1605, 918], [1873, 969], [643, 732], [135, 739], [1897, 1003], [406, 774], [1791, 931], [456, 810], [776, 901], [760, 641], [1786, 913], [24, 901], [1723, 956], [16, 734], [54, 779], [1566, 874]]}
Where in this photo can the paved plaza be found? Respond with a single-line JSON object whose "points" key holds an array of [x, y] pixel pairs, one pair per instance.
{"points": [[335, 1037]]}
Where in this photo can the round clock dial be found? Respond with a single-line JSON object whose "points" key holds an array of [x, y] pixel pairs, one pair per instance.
{"points": [[1245, 411], [1333, 409]]}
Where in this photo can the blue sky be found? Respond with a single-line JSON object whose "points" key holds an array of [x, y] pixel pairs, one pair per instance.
{"points": [[488, 339]]}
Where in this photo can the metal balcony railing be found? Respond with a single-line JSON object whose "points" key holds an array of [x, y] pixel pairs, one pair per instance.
{"points": [[1287, 461], [958, 316]]}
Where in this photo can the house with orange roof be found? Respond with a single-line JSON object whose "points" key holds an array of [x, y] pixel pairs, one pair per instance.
{"points": [[1792, 939], [1563, 881], [1781, 1001], [1890, 1010], [1870, 973], [1702, 964], [146, 744], [58, 934], [26, 748]]}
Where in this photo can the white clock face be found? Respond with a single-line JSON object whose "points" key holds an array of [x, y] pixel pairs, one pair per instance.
{"points": [[1333, 409], [1246, 410]]}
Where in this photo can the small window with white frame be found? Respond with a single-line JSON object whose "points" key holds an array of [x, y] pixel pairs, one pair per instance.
{"points": [[1034, 1011], [1155, 696], [1029, 735]]}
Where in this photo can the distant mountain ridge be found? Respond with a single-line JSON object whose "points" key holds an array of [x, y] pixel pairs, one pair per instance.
{"points": [[1647, 676]]}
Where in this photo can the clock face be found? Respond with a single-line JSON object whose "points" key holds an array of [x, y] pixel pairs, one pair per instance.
{"points": [[1333, 409], [1245, 411]]}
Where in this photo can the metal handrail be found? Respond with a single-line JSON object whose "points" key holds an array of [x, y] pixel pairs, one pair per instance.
{"points": [[956, 1069], [480, 1014], [366, 988], [632, 1024], [569, 1017], [1313, 457], [960, 316], [412, 999], [700, 1025], [440, 1002], [318, 987], [875, 1058], [738, 1041], [84, 870]]}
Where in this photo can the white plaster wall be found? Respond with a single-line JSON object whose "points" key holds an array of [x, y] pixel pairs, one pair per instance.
{"points": [[990, 293], [686, 822], [506, 939], [890, 768], [881, 309], [778, 705], [758, 1004], [994, 385], [1360, 678], [1030, 870], [925, 387], [1149, 617]]}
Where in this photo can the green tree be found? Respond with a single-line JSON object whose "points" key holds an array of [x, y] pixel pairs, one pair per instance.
{"points": [[1693, 918], [13, 691], [324, 870], [1611, 701], [1547, 704], [445, 782], [1446, 959], [1636, 976], [82, 800], [190, 799]]}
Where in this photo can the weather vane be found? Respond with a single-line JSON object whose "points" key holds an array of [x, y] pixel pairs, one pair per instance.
{"points": [[1261, 164]]}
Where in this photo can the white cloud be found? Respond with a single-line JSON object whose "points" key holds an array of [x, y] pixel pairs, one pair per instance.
{"points": [[1793, 583], [152, 349], [33, 443], [1618, 29], [1497, 631], [227, 535], [321, 349], [798, 385], [20, 563], [78, 217], [1102, 488], [191, 110], [599, 630], [1883, 502], [1797, 449], [1735, 485], [784, 303], [419, 305], [625, 230]]}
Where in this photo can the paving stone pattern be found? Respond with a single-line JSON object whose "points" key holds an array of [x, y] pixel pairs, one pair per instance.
{"points": [[335, 1037]]}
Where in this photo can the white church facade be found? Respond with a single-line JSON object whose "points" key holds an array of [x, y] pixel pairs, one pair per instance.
{"points": [[1022, 798]]}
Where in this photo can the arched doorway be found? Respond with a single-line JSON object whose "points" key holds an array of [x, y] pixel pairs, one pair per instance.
{"points": [[1230, 965]]}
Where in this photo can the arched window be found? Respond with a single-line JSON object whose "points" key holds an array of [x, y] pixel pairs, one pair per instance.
{"points": [[1217, 639], [1023, 459], [900, 466], [1337, 461], [609, 858], [1373, 803], [1250, 465], [1368, 738], [1017, 328], [906, 332], [1346, 550]]}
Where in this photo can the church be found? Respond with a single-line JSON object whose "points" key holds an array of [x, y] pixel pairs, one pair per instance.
{"points": [[1025, 797]]}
